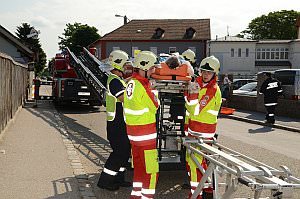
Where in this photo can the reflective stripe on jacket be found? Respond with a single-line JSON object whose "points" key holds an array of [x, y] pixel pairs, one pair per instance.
{"points": [[110, 99], [140, 105], [204, 111]]}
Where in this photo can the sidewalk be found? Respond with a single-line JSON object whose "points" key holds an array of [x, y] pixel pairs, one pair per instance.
{"points": [[285, 123], [37, 160]]}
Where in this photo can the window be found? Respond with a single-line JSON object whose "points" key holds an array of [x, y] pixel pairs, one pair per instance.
{"points": [[154, 50], [116, 48], [232, 52], [286, 53], [133, 50], [172, 49], [277, 53], [286, 77], [273, 53], [247, 52], [258, 53], [263, 53], [268, 53], [239, 52]]}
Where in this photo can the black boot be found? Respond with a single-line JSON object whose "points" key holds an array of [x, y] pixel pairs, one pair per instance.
{"points": [[120, 179], [107, 181]]}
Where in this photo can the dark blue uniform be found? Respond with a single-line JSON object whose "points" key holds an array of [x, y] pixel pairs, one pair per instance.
{"points": [[113, 173], [271, 88]]}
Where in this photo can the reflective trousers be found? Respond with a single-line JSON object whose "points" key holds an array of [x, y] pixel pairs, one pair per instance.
{"points": [[270, 116], [145, 171], [194, 173], [118, 158]]}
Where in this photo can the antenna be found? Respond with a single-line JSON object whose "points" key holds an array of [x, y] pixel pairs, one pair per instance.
{"points": [[227, 30]]}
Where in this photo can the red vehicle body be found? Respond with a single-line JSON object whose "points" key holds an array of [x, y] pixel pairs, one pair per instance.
{"points": [[67, 85]]}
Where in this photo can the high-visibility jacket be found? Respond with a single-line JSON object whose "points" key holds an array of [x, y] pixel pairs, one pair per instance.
{"points": [[188, 97], [110, 99], [140, 106], [166, 73], [204, 110]]}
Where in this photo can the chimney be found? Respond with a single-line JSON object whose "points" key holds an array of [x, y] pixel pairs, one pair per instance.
{"points": [[298, 27]]}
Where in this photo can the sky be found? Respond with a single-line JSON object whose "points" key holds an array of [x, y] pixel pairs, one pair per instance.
{"points": [[51, 16]]}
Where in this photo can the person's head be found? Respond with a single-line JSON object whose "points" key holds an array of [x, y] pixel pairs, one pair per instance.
{"points": [[145, 62], [173, 62], [117, 60], [209, 68], [189, 55], [268, 74]]}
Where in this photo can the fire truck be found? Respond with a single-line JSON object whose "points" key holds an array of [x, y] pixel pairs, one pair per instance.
{"points": [[68, 84]]}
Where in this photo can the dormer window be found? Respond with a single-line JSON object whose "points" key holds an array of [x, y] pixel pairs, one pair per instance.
{"points": [[189, 33], [159, 33]]}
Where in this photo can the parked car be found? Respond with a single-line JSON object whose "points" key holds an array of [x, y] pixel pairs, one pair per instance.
{"points": [[290, 82], [236, 84], [247, 89]]}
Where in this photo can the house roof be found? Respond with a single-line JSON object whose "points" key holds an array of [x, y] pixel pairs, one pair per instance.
{"points": [[174, 29], [15, 41]]}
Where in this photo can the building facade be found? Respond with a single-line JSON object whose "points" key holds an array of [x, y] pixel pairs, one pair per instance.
{"points": [[158, 36], [11, 46], [239, 56]]}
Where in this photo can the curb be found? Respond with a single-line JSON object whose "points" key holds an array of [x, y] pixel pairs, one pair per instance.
{"points": [[278, 126]]}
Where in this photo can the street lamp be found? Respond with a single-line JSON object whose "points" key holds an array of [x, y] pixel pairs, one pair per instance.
{"points": [[124, 17]]}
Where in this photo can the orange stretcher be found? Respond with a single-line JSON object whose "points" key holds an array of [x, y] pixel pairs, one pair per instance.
{"points": [[166, 73]]}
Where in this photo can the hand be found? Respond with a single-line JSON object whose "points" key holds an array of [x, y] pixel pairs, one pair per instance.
{"points": [[193, 87]]}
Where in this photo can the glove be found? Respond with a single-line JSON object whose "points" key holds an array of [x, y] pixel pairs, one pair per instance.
{"points": [[193, 87]]}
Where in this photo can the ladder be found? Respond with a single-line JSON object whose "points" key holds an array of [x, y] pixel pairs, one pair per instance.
{"points": [[92, 71]]}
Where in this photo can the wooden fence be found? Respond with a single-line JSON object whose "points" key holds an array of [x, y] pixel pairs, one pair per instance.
{"points": [[13, 83]]}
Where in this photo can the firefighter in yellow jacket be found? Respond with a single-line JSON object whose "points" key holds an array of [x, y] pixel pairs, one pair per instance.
{"points": [[112, 176], [203, 116], [140, 106]]}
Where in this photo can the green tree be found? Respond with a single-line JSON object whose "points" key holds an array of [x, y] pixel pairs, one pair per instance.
{"points": [[275, 25], [77, 35], [34, 45]]}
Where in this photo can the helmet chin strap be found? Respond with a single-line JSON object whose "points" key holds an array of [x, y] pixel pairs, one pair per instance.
{"points": [[146, 76]]}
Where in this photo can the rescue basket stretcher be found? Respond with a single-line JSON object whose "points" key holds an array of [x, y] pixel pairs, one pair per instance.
{"points": [[170, 120], [238, 169]]}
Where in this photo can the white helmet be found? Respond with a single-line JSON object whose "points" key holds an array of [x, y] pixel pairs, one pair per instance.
{"points": [[117, 59], [189, 55], [210, 64], [145, 60]]}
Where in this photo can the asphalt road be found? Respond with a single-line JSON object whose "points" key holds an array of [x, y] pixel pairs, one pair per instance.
{"points": [[271, 146]]}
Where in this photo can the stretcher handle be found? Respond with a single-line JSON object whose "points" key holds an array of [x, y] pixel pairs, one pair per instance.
{"points": [[244, 181]]}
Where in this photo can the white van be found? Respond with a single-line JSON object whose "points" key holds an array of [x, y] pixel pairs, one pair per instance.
{"points": [[290, 81]]}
